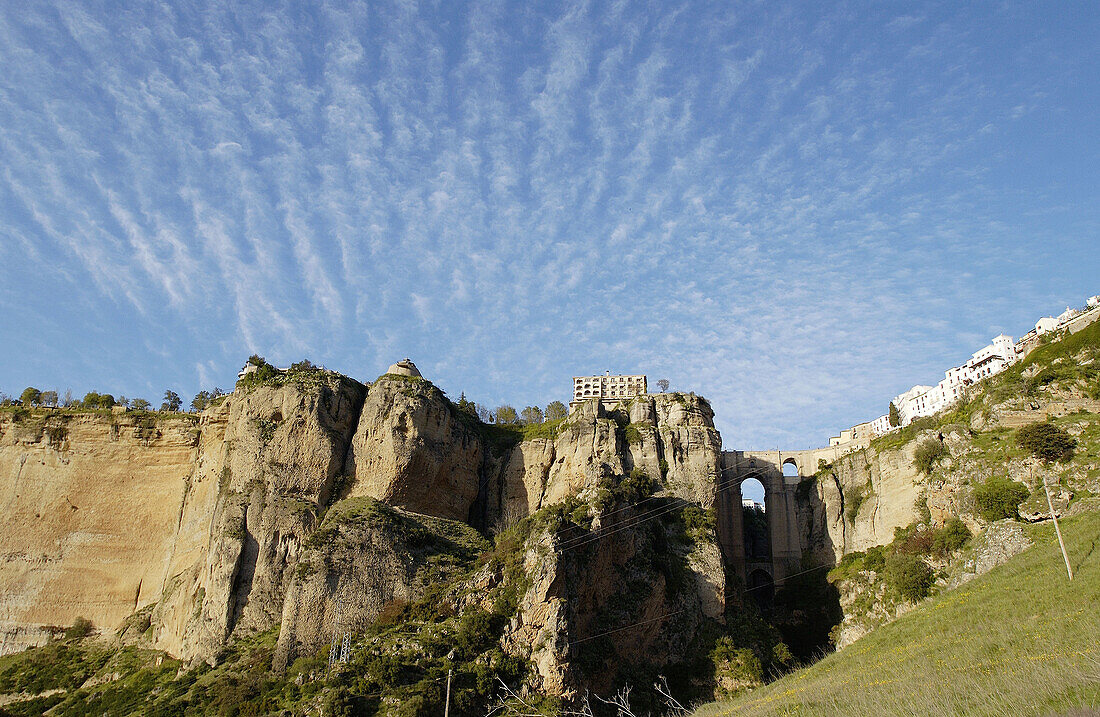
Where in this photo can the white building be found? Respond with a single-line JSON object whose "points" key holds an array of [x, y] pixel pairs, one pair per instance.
{"points": [[881, 425], [1045, 325], [1067, 315], [607, 388], [1093, 301], [983, 363]]}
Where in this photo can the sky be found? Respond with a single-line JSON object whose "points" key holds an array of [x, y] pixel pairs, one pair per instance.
{"points": [[797, 210]]}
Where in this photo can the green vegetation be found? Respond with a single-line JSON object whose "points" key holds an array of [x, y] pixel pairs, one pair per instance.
{"points": [[999, 497], [915, 541], [854, 498], [302, 374], [909, 576], [1018, 640], [894, 416], [929, 452], [555, 411], [1047, 442]]}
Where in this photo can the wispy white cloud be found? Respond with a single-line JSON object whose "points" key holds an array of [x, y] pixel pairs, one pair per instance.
{"points": [[780, 208]]}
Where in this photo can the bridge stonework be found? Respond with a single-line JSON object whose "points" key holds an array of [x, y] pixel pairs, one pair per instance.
{"points": [[781, 508]]}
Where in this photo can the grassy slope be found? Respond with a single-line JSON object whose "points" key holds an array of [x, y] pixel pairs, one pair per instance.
{"points": [[1021, 640]]}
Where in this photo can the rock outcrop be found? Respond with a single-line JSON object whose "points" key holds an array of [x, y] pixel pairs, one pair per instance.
{"points": [[272, 464], [411, 450], [652, 583], [363, 559], [670, 437]]}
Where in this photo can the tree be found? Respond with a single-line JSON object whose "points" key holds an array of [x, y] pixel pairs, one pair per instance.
{"points": [[1045, 441], [531, 414], [67, 401], [201, 400], [465, 405], [30, 396], [48, 398], [894, 416], [95, 400], [506, 414], [483, 413], [662, 383], [928, 453], [555, 411], [172, 401], [256, 360], [140, 404]]}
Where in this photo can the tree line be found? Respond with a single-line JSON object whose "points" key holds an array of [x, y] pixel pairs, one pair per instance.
{"points": [[31, 397], [508, 416]]}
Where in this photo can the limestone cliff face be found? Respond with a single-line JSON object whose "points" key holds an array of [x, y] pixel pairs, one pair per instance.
{"points": [[91, 503], [364, 558], [648, 582], [887, 487], [209, 524], [271, 465], [411, 450], [671, 437]]}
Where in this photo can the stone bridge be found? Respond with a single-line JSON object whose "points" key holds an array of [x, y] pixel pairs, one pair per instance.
{"points": [[780, 473]]}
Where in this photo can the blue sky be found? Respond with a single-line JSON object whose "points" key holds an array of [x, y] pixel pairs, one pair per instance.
{"points": [[796, 210]]}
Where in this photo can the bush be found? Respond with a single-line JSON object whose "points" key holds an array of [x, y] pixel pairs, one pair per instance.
{"points": [[854, 498], [1046, 442], [999, 498], [80, 629], [952, 536], [875, 558], [928, 453], [909, 576]]}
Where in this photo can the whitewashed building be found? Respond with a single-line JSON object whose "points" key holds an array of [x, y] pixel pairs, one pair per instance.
{"points": [[1045, 325], [983, 363]]}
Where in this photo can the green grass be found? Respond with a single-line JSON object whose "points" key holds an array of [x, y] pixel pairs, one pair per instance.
{"points": [[1020, 640]]}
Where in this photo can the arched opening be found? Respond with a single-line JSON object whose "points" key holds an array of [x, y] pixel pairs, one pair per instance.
{"points": [[790, 468], [761, 588], [754, 527]]}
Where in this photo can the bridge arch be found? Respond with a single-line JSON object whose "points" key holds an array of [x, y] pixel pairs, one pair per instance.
{"points": [[790, 468]]}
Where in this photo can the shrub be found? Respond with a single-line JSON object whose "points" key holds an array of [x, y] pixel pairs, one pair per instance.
{"points": [[475, 632], [854, 498], [875, 558], [928, 453], [999, 498], [80, 629], [952, 536], [909, 576], [1046, 442]]}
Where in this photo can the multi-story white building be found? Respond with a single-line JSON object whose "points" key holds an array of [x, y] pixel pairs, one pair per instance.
{"points": [[880, 425], [607, 388], [983, 363], [988, 361]]}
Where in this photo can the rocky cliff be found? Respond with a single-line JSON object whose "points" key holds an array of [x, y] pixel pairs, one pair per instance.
{"points": [[91, 506], [314, 502]]}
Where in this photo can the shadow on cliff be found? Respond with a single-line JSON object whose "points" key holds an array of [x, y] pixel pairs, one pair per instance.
{"points": [[806, 606]]}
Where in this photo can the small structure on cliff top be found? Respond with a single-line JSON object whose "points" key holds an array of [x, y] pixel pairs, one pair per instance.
{"points": [[404, 367]]}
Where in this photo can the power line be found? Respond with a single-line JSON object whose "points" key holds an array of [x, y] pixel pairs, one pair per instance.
{"points": [[652, 514]]}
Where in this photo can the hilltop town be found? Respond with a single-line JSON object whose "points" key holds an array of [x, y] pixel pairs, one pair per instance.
{"points": [[920, 400]]}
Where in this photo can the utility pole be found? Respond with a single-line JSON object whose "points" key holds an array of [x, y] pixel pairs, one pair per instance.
{"points": [[1061, 543], [447, 705]]}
